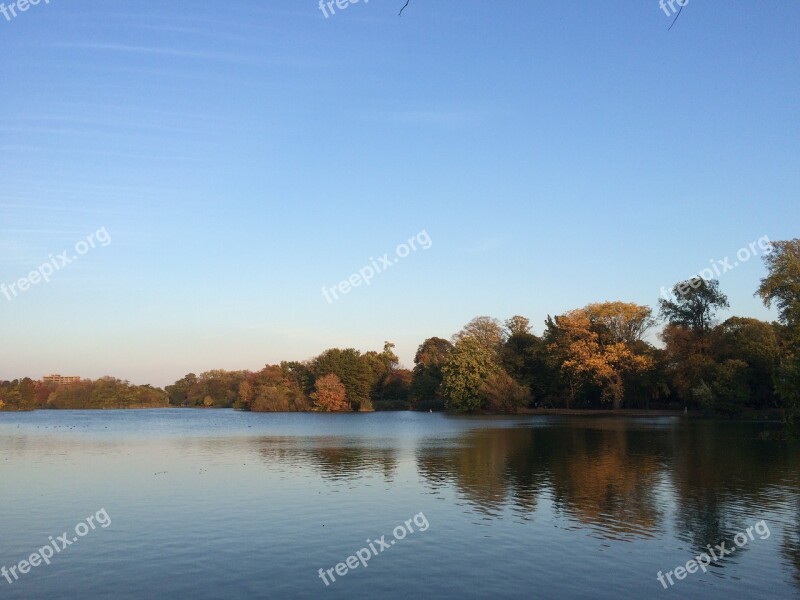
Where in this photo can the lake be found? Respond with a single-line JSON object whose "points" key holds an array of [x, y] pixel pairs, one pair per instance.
{"points": [[221, 504]]}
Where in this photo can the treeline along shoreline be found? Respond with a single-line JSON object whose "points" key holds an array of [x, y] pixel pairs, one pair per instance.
{"points": [[595, 357]]}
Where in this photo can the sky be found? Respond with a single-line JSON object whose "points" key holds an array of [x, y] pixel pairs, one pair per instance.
{"points": [[210, 168]]}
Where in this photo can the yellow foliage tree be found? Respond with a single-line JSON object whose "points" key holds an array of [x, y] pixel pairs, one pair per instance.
{"points": [[601, 343]]}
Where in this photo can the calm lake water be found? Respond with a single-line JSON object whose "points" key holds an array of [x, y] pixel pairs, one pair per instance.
{"points": [[224, 504]]}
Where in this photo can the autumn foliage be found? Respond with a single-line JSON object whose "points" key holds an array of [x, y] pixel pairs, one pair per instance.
{"points": [[601, 344], [329, 394]]}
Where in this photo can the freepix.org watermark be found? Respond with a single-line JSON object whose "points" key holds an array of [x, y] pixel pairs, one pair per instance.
{"points": [[720, 267], [45, 553], [10, 11], [365, 554], [714, 554], [46, 270], [366, 273], [663, 4], [332, 5]]}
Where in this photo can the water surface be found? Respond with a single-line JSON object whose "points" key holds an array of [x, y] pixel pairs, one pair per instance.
{"points": [[224, 504]]}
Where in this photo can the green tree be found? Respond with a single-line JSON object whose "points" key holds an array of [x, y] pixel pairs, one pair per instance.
{"points": [[524, 356], [382, 365], [694, 304], [690, 316], [517, 325], [106, 392], [301, 373], [756, 344], [179, 391], [27, 389], [486, 331], [354, 370], [781, 287], [467, 368], [427, 375], [729, 387]]}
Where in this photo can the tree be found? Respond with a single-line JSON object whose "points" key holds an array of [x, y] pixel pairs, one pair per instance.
{"points": [[517, 325], [217, 388], [301, 373], [620, 322], [729, 387], [694, 304], [564, 382], [221, 386], [756, 344], [525, 357], [106, 392], [427, 375], [518, 355], [601, 341], [690, 316], [488, 332], [388, 356], [396, 390], [781, 287], [354, 370], [272, 390], [27, 392], [651, 385], [689, 361], [502, 394], [330, 395], [179, 392], [464, 372], [382, 366]]}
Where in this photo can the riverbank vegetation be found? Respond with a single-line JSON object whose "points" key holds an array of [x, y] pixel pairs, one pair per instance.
{"points": [[592, 357], [106, 392]]}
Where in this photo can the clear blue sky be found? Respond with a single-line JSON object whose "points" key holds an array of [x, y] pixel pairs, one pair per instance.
{"points": [[241, 155]]}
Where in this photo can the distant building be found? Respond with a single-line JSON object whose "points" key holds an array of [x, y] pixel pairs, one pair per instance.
{"points": [[61, 379]]}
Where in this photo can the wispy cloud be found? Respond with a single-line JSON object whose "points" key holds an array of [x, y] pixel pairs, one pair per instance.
{"points": [[238, 58], [162, 51]]}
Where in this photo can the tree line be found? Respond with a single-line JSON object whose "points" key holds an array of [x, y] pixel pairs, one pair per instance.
{"points": [[106, 392], [591, 357]]}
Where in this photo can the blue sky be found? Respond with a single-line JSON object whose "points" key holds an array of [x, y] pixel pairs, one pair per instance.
{"points": [[242, 155]]}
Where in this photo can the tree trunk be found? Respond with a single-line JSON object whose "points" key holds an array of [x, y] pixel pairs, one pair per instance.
{"points": [[616, 387]]}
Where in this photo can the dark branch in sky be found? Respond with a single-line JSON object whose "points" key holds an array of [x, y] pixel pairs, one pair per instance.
{"points": [[400, 14]]}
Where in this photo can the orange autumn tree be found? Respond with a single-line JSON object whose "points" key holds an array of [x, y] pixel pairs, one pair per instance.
{"points": [[603, 342], [330, 394]]}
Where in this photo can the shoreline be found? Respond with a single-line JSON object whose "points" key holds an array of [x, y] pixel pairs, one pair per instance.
{"points": [[761, 416]]}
